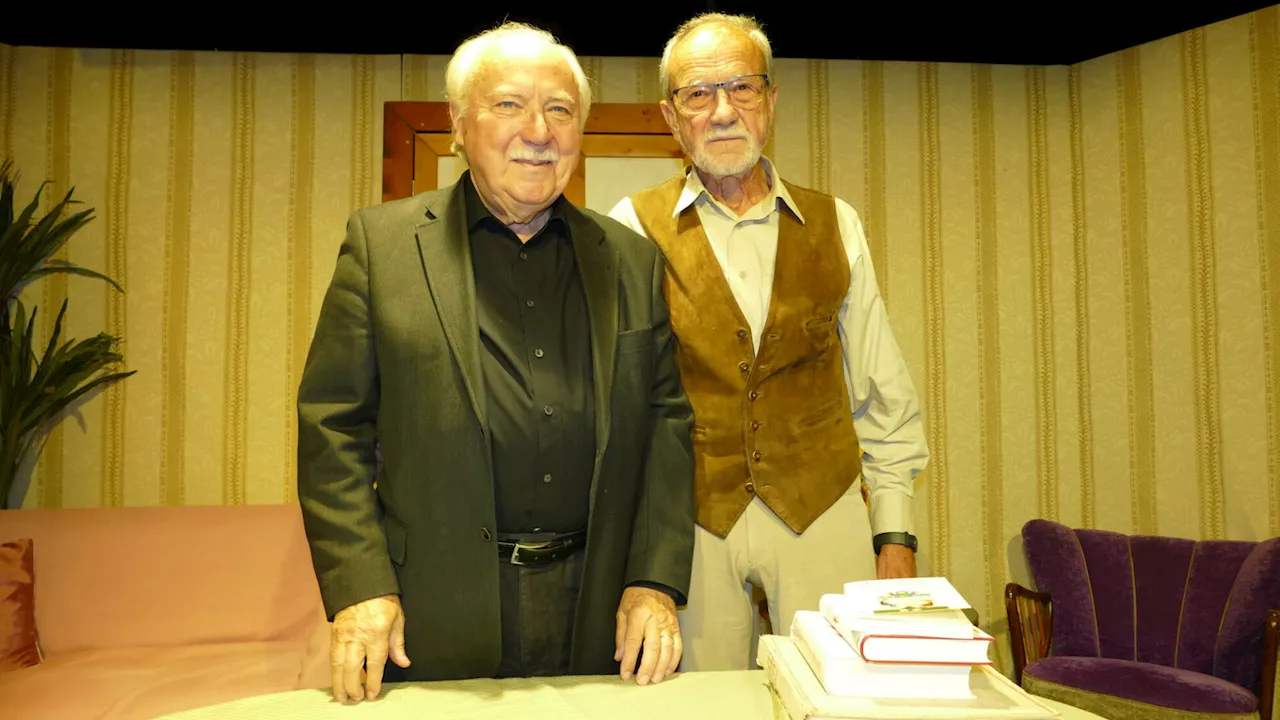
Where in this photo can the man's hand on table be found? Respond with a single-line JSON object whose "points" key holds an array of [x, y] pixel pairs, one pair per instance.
{"points": [[372, 630], [647, 619]]}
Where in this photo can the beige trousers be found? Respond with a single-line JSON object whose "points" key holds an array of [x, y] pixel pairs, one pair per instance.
{"points": [[720, 627]]}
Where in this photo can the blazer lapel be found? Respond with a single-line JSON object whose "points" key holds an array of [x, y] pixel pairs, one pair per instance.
{"points": [[446, 260], [598, 269]]}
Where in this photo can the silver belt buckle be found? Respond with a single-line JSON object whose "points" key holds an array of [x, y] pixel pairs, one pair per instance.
{"points": [[515, 551]]}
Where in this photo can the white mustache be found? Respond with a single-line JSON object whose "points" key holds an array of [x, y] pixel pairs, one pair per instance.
{"points": [[726, 134], [532, 155]]}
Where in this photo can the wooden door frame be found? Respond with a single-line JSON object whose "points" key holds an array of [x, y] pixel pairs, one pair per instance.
{"points": [[404, 120]]}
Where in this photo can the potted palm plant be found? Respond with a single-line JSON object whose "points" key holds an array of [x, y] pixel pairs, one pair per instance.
{"points": [[38, 383]]}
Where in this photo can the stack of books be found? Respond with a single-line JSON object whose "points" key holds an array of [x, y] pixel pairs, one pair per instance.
{"points": [[906, 638], [891, 650]]}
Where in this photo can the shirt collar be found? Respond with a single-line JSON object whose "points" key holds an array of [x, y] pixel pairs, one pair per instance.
{"points": [[694, 192]]}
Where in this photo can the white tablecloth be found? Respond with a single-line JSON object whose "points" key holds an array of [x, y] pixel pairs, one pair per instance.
{"points": [[703, 695], [683, 696]]}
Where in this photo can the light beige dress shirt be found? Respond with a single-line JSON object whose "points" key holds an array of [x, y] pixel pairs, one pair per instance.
{"points": [[886, 409]]}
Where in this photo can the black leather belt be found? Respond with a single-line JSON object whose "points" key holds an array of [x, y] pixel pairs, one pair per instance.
{"points": [[539, 549]]}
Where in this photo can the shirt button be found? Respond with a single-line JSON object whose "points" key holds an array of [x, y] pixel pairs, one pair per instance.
{"points": [[546, 410], [537, 353], [484, 534], [546, 478], [756, 456], [743, 366], [751, 488], [528, 303], [743, 274]]}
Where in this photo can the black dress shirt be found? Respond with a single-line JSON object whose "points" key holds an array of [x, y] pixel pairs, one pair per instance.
{"points": [[535, 337]]}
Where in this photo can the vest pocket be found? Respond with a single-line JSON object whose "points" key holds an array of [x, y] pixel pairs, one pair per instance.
{"points": [[826, 412], [821, 327]]}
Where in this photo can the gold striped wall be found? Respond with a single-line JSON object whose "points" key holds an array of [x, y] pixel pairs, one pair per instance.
{"points": [[222, 184], [1082, 265]]}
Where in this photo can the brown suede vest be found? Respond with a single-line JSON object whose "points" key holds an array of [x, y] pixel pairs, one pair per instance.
{"points": [[775, 423]]}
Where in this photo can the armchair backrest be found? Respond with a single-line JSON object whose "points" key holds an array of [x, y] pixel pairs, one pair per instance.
{"points": [[1194, 605]]}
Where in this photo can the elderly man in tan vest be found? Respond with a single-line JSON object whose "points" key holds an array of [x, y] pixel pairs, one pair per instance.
{"points": [[798, 387]]}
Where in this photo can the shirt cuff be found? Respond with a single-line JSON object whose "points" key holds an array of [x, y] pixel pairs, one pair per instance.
{"points": [[891, 512], [675, 596]]}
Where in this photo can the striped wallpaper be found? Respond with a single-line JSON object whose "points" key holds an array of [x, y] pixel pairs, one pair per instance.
{"points": [[1082, 265]]}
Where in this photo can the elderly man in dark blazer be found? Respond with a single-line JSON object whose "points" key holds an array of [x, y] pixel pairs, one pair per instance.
{"points": [[510, 359]]}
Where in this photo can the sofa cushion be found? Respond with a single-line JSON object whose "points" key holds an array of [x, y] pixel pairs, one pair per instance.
{"points": [[1160, 687], [19, 641], [149, 682]]}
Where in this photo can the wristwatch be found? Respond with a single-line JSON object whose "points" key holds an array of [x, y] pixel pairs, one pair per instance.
{"points": [[894, 538]]}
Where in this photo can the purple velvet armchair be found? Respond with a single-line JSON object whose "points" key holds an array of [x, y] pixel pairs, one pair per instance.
{"points": [[1136, 627]]}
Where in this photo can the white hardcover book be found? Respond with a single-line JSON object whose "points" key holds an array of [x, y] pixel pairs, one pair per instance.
{"points": [[843, 672], [938, 623], [904, 595], [918, 639], [798, 694], [898, 596]]}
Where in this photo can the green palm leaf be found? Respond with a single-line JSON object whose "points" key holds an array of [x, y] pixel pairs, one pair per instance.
{"points": [[68, 268], [38, 384]]}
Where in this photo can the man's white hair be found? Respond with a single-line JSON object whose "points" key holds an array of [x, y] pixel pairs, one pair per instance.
{"points": [[472, 54], [743, 23]]}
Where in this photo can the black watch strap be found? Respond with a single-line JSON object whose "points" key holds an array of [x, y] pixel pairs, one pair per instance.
{"points": [[894, 538]]}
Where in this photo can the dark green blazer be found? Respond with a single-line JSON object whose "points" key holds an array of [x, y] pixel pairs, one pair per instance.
{"points": [[395, 361]]}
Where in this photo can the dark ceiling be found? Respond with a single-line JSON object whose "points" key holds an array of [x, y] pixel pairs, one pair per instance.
{"points": [[1027, 33]]}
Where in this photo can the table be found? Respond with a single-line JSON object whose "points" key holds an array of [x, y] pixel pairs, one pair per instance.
{"points": [[684, 696], [740, 695]]}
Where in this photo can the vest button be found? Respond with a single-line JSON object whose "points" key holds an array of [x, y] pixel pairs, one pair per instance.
{"points": [[751, 488], [756, 456], [743, 366], [754, 395], [755, 425], [484, 534], [742, 334]]}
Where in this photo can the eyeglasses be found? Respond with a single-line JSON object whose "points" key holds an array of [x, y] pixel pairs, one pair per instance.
{"points": [[744, 92]]}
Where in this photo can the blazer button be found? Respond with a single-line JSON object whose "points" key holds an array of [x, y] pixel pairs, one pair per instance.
{"points": [[742, 334], [751, 488], [484, 534], [743, 366]]}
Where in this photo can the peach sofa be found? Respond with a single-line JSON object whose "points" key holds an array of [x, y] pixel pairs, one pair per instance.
{"points": [[147, 611]]}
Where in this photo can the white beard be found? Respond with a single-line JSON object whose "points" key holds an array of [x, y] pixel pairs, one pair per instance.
{"points": [[725, 165]]}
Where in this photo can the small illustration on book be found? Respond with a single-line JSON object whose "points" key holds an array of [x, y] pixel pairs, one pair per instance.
{"points": [[904, 597], [908, 601]]}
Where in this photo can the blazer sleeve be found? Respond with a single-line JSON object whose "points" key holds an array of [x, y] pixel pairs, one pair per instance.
{"points": [[337, 433], [662, 534]]}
